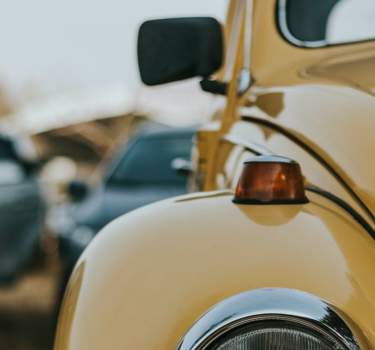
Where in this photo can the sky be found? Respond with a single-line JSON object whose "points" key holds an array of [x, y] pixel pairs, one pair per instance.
{"points": [[49, 47]]}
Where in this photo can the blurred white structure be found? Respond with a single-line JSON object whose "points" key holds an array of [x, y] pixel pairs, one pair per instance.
{"points": [[68, 61]]}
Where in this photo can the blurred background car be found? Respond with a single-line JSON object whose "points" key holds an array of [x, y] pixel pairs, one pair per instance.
{"points": [[152, 166], [22, 211]]}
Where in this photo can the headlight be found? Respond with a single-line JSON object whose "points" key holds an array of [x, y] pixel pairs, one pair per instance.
{"points": [[272, 319], [276, 335]]}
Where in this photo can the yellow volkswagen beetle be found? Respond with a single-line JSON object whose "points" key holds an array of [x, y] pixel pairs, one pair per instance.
{"points": [[277, 249]]}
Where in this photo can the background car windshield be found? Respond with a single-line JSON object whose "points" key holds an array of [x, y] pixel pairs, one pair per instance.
{"points": [[327, 22], [150, 161]]}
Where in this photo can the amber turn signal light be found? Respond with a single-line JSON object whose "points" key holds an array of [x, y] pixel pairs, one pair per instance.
{"points": [[270, 180]]}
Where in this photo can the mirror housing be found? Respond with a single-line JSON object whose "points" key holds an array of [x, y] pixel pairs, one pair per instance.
{"points": [[179, 48], [182, 166]]}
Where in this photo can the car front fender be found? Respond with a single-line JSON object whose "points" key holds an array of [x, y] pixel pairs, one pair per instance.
{"points": [[150, 274]]}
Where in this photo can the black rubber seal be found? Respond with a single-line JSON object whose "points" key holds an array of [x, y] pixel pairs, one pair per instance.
{"points": [[348, 208], [273, 202]]}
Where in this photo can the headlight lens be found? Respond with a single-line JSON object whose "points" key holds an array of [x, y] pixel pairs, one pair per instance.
{"points": [[273, 335]]}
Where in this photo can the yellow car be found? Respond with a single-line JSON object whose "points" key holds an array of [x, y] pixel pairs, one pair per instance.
{"points": [[277, 250]]}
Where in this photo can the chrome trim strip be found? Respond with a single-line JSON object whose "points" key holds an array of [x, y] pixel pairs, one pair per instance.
{"points": [[269, 304]]}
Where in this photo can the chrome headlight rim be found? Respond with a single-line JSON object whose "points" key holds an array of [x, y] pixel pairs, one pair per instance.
{"points": [[272, 304]]}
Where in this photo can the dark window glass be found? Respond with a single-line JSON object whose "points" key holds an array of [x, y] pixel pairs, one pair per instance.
{"points": [[326, 22], [149, 160]]}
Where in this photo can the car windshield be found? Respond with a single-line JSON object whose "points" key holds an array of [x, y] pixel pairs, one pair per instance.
{"points": [[326, 22], [149, 160]]}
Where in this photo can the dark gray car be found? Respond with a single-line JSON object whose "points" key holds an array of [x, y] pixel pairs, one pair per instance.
{"points": [[152, 167], [22, 210]]}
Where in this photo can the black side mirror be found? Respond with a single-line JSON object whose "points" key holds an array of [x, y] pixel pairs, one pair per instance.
{"points": [[77, 190], [179, 48]]}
